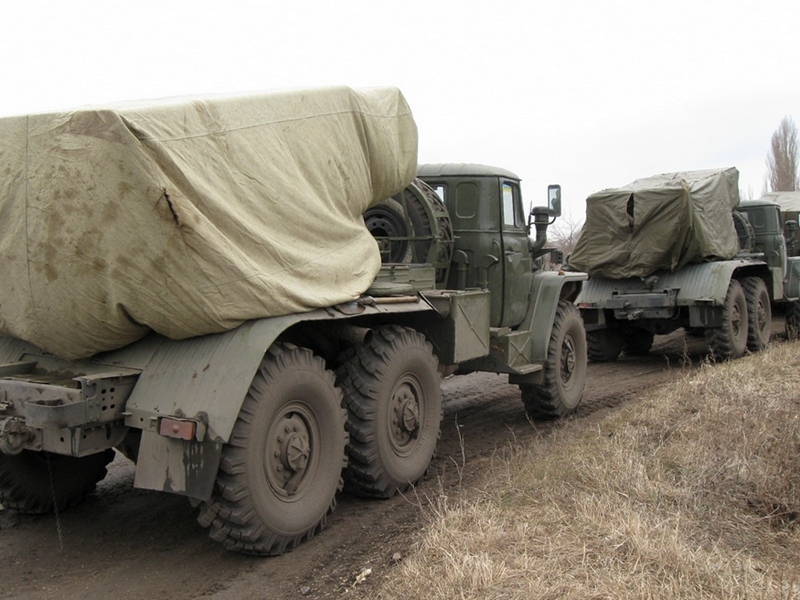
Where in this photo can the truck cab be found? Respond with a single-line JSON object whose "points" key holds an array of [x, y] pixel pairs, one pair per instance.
{"points": [[492, 248], [765, 219]]}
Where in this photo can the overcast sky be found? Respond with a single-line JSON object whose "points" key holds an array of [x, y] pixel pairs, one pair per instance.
{"points": [[590, 95]]}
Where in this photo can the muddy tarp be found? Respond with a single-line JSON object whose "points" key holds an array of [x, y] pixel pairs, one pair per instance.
{"points": [[660, 222], [191, 216]]}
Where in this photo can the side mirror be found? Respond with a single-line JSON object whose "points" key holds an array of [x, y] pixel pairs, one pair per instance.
{"points": [[556, 256], [554, 200]]}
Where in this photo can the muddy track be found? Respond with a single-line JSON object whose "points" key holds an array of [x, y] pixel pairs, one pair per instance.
{"points": [[127, 543]]}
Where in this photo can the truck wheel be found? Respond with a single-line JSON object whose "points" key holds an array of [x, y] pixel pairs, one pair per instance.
{"points": [[564, 371], [281, 469], [604, 345], [759, 313], [43, 482], [730, 340], [431, 223], [637, 342], [394, 406], [388, 220], [793, 320]]}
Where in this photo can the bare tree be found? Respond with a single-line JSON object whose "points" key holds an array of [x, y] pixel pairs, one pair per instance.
{"points": [[782, 159], [564, 233]]}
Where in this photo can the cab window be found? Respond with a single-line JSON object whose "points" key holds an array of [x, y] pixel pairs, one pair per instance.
{"points": [[511, 216]]}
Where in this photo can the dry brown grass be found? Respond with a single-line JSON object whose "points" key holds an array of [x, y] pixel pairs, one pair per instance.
{"points": [[691, 492]]}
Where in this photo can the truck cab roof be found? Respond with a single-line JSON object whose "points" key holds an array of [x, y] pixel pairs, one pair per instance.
{"points": [[463, 169], [752, 203]]}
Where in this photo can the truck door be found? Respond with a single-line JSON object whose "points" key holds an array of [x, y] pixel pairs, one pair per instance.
{"points": [[517, 265]]}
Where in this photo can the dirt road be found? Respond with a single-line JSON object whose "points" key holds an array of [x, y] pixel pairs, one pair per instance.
{"points": [[133, 544]]}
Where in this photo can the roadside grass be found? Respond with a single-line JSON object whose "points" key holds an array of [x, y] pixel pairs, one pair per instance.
{"points": [[692, 491]]}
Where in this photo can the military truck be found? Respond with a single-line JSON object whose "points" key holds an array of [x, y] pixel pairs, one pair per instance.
{"points": [[728, 298], [259, 425], [789, 203]]}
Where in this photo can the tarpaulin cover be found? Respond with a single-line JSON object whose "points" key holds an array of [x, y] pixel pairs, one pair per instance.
{"points": [[788, 201], [660, 222], [190, 216]]}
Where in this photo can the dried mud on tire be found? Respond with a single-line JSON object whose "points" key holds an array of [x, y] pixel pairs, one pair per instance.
{"points": [[128, 543]]}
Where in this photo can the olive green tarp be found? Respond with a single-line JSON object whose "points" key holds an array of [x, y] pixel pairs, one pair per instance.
{"points": [[660, 222], [190, 216]]}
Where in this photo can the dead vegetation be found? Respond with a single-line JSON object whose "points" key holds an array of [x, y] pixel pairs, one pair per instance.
{"points": [[693, 491]]}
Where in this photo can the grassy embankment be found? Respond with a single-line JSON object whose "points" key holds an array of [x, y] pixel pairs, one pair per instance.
{"points": [[692, 491]]}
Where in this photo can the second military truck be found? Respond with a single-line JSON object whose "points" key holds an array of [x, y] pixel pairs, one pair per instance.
{"points": [[680, 250]]}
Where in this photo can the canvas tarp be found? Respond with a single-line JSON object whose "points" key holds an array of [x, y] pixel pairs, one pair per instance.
{"points": [[190, 216], [788, 201], [660, 222]]}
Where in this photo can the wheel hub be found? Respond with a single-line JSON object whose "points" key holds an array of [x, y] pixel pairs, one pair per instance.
{"points": [[568, 359], [761, 317], [405, 416], [288, 453], [389, 229], [736, 321]]}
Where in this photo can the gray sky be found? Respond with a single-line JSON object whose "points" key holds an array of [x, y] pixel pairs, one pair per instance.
{"points": [[587, 94]]}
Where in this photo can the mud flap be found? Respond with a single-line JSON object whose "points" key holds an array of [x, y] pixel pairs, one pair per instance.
{"points": [[187, 468]]}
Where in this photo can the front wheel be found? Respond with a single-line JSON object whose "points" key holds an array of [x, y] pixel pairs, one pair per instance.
{"points": [[759, 314], [730, 340], [394, 406], [281, 469], [793, 320], [565, 369]]}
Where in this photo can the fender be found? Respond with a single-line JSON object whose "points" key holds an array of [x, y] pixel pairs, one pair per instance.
{"points": [[547, 290], [206, 378]]}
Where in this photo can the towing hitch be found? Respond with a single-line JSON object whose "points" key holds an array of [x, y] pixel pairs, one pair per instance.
{"points": [[14, 434]]}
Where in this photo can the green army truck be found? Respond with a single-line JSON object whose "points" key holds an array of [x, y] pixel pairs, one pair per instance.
{"points": [[657, 279], [789, 203], [260, 425]]}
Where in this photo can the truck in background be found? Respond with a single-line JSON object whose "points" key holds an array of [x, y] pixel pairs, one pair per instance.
{"points": [[789, 203], [261, 425], [729, 301]]}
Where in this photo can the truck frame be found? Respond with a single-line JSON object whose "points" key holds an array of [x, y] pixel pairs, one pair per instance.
{"points": [[262, 425]]}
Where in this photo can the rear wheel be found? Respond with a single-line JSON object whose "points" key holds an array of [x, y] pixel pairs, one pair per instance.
{"points": [[730, 340], [565, 369], [281, 469], [793, 320], [43, 482], [604, 345], [759, 313], [637, 342], [394, 406]]}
